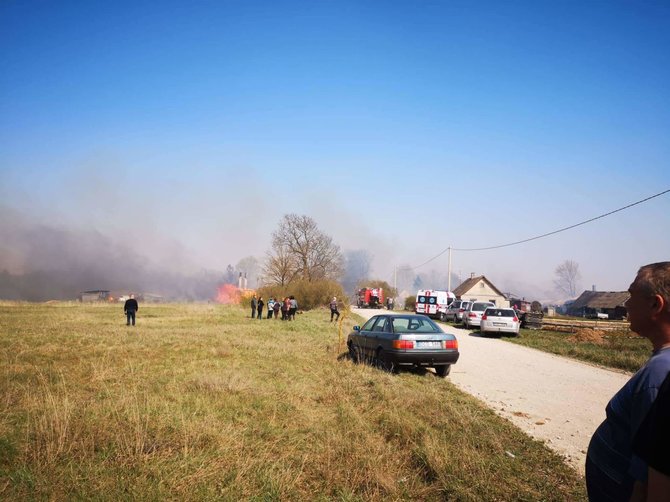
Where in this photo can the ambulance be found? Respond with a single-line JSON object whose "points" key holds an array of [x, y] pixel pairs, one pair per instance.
{"points": [[433, 303]]}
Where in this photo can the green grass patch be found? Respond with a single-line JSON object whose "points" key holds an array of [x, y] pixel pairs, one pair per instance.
{"points": [[199, 402], [616, 349]]}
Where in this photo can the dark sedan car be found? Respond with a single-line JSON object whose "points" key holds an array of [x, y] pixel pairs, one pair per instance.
{"points": [[394, 341]]}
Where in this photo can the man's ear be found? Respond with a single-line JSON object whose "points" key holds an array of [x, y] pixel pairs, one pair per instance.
{"points": [[659, 305]]}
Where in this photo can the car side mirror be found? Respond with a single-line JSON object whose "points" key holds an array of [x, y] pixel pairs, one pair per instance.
{"points": [[357, 328]]}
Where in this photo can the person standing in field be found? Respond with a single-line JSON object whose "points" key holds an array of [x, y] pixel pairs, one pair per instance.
{"points": [[130, 308], [271, 304], [254, 303], [293, 308], [613, 470], [259, 306], [276, 307], [286, 306], [333, 309]]}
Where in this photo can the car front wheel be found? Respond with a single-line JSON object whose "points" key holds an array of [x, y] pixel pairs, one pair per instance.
{"points": [[443, 371], [443, 316], [354, 353]]}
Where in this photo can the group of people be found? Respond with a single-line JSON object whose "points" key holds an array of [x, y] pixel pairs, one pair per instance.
{"points": [[287, 307]]}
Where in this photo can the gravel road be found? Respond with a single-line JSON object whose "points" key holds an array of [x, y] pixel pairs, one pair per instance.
{"points": [[558, 400]]}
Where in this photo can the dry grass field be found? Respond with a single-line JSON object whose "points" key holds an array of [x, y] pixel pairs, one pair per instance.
{"points": [[199, 402]]}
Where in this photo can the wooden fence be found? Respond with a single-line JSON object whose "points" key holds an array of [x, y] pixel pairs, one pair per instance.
{"points": [[574, 324]]}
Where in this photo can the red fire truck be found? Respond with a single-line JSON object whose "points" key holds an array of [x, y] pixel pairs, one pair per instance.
{"points": [[370, 298]]}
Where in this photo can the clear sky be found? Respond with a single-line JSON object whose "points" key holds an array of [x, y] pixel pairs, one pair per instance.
{"points": [[187, 129]]}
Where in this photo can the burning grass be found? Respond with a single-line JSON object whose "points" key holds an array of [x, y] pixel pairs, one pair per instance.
{"points": [[199, 402]]}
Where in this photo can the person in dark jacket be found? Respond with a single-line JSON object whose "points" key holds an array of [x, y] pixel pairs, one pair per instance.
{"points": [[129, 308], [260, 307], [284, 309], [254, 303]]}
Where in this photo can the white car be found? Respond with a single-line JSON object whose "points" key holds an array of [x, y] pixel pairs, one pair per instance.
{"points": [[473, 315], [495, 320]]}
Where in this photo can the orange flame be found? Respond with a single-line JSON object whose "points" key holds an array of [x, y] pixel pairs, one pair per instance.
{"points": [[228, 293]]}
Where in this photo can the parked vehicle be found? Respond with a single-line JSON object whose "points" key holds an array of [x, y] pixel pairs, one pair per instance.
{"points": [[395, 341], [433, 303], [532, 317], [372, 298], [598, 315], [473, 315], [456, 309], [496, 320]]}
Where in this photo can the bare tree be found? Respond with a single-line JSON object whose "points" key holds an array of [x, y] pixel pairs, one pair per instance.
{"points": [[303, 251], [279, 266], [567, 278]]}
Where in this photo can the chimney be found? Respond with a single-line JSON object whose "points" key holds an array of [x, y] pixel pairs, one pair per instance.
{"points": [[239, 281], [593, 288], [245, 280], [472, 275]]}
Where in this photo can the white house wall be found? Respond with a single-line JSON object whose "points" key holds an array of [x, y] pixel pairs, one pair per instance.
{"points": [[482, 292]]}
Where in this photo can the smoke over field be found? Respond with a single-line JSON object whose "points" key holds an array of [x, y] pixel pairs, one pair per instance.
{"points": [[40, 262]]}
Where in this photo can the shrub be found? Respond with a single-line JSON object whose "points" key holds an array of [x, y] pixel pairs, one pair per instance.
{"points": [[308, 294], [410, 303]]}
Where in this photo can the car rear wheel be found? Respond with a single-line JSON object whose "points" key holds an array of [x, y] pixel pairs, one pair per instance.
{"points": [[443, 371], [384, 362]]}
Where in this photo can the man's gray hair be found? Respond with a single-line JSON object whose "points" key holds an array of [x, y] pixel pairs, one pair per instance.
{"points": [[655, 280]]}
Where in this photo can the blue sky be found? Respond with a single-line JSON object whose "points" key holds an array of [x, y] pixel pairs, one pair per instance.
{"points": [[401, 127]]}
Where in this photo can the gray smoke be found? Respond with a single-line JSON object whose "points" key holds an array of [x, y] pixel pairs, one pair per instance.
{"points": [[41, 262], [357, 265]]}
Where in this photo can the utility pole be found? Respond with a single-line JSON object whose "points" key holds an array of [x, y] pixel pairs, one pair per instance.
{"points": [[449, 271], [395, 278]]}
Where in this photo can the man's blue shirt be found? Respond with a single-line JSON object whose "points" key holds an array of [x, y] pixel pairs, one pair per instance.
{"points": [[611, 445]]}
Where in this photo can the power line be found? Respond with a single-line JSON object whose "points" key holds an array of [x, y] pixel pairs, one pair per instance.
{"points": [[544, 235]]}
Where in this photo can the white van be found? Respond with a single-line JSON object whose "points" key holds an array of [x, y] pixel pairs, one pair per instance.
{"points": [[433, 303]]}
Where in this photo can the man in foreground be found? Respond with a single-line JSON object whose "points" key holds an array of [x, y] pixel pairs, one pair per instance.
{"points": [[652, 444], [613, 472]]}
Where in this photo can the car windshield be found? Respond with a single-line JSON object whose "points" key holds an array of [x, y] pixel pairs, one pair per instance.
{"points": [[427, 299], [480, 306], [500, 312], [414, 325], [368, 325]]}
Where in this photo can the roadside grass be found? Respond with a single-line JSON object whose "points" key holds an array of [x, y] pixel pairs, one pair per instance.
{"points": [[621, 350], [199, 402]]}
